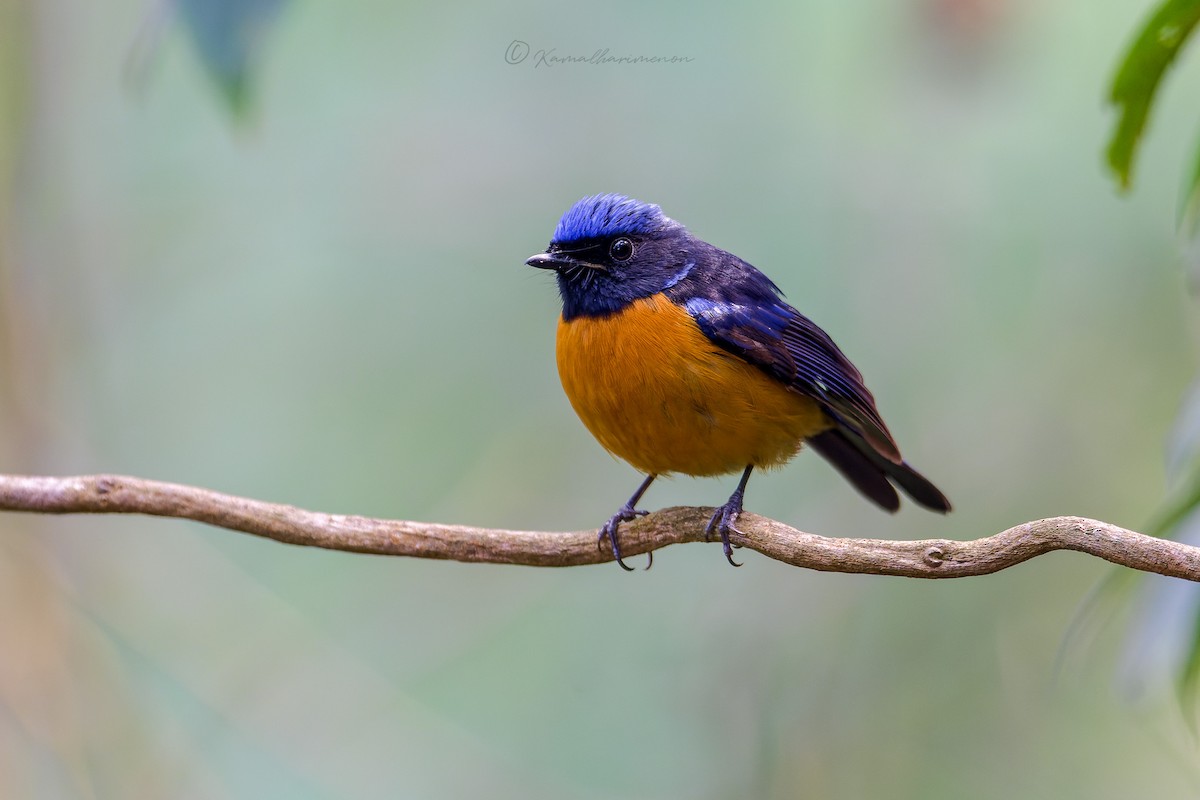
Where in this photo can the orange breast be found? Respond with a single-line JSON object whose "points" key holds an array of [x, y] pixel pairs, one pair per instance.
{"points": [[656, 392]]}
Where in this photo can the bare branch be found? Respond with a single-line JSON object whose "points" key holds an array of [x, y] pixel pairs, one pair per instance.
{"points": [[928, 558]]}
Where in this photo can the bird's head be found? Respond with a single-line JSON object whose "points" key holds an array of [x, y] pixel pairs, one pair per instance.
{"points": [[609, 250]]}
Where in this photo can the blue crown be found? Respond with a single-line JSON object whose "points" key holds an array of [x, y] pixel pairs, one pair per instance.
{"points": [[604, 215]]}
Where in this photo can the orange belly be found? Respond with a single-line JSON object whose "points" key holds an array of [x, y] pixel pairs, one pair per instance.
{"points": [[654, 390]]}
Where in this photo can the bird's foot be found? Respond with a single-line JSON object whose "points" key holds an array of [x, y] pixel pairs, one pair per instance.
{"points": [[722, 522], [608, 530]]}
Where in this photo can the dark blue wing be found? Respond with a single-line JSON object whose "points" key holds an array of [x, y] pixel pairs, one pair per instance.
{"points": [[780, 340]]}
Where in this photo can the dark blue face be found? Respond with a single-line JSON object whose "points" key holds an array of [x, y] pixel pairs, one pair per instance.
{"points": [[609, 250]]}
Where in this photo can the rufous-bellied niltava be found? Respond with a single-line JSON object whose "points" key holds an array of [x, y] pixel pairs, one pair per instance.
{"points": [[682, 358]]}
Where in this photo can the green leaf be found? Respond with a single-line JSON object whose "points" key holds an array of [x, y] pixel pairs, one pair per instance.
{"points": [[1136, 82], [1162, 644], [1189, 674], [1177, 507], [1183, 465], [228, 35]]}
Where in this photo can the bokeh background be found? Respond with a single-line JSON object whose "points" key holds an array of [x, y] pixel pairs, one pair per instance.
{"points": [[322, 302]]}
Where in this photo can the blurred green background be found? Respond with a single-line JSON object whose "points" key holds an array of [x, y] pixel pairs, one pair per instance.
{"points": [[324, 303]]}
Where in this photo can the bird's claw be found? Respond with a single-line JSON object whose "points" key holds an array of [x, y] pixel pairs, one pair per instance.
{"points": [[609, 531], [722, 522]]}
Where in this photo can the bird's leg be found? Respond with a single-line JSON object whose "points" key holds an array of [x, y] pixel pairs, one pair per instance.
{"points": [[626, 513], [723, 518]]}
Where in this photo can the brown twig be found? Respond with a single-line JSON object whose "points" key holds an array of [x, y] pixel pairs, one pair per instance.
{"points": [[928, 558]]}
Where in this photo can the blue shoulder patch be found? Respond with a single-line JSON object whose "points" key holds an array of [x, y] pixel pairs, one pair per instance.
{"points": [[603, 215], [717, 318]]}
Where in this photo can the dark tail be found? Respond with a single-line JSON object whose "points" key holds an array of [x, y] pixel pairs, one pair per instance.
{"points": [[870, 472]]}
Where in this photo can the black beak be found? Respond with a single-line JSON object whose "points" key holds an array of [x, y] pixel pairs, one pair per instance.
{"points": [[555, 261]]}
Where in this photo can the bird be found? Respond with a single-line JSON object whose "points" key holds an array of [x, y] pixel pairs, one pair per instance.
{"points": [[680, 357]]}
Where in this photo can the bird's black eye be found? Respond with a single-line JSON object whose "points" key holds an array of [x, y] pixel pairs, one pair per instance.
{"points": [[621, 249]]}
